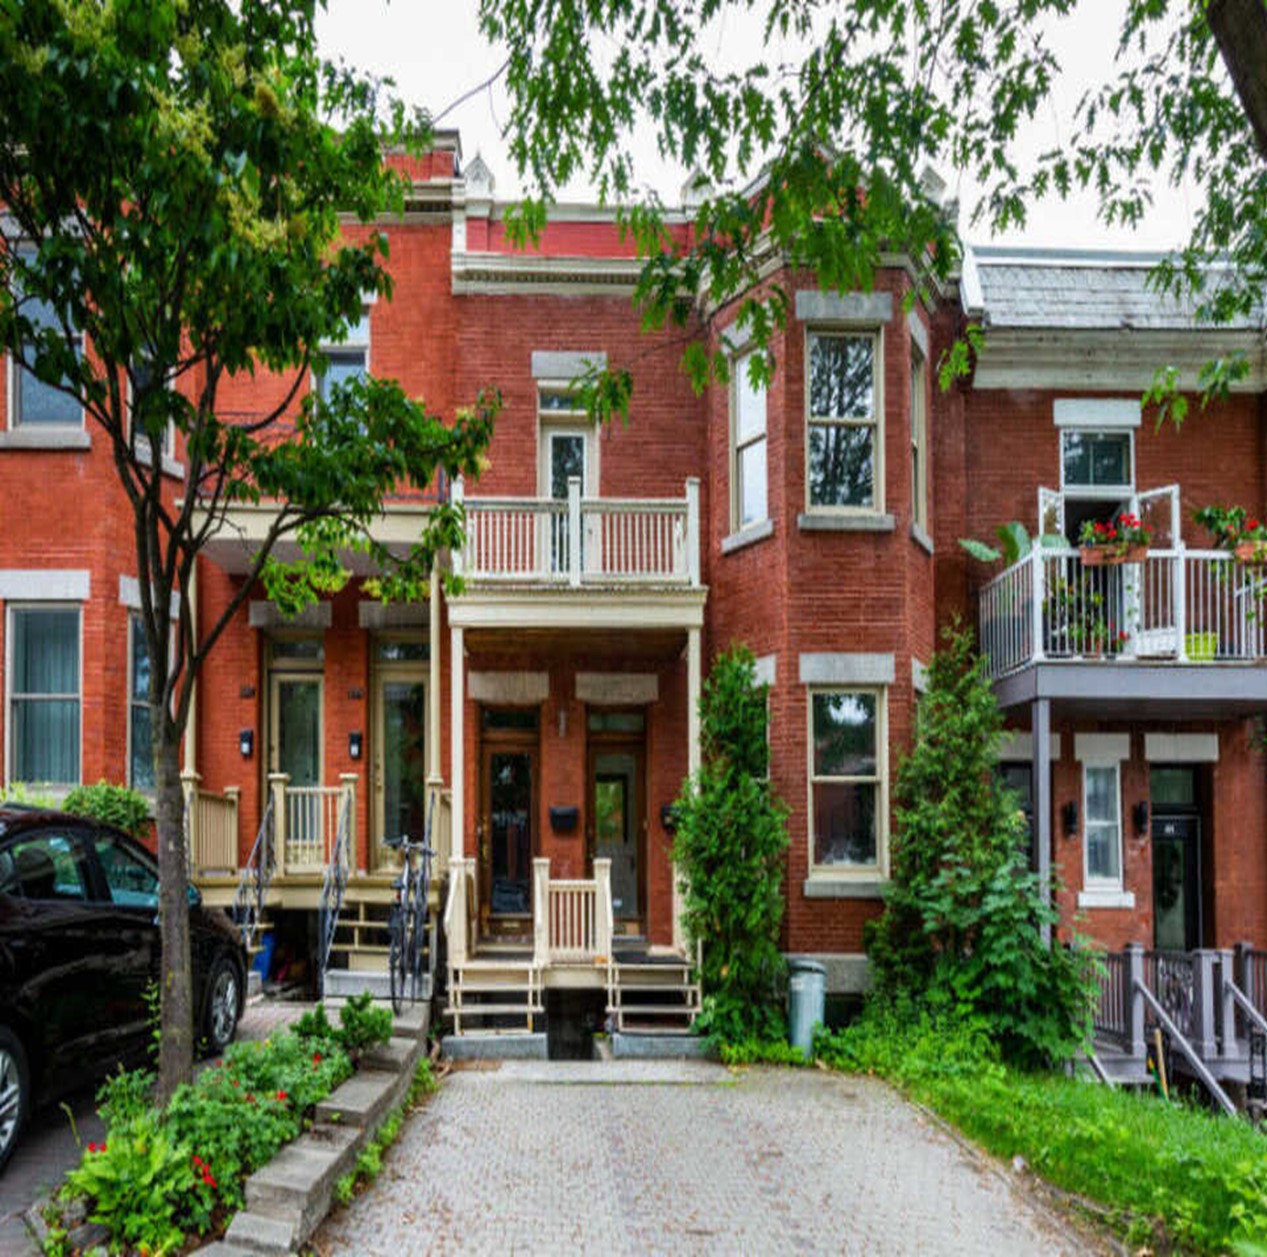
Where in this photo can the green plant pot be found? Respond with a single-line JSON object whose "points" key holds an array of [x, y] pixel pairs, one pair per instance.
{"points": [[1201, 647]]}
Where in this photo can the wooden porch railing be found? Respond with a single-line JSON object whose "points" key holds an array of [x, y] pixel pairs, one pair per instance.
{"points": [[461, 909], [211, 828], [572, 917], [307, 822]]}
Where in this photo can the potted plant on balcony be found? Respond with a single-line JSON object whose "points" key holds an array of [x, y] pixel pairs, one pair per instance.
{"points": [[1235, 529], [1078, 621], [1123, 539]]}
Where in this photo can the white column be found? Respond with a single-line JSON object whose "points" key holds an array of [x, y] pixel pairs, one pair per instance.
{"points": [[694, 686], [435, 774], [692, 531], [457, 745]]}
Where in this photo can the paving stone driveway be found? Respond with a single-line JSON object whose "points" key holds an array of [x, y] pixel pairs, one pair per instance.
{"points": [[666, 1157]]}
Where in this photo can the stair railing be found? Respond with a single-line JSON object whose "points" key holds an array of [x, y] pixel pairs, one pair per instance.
{"points": [[1180, 1043], [248, 899], [335, 881]]}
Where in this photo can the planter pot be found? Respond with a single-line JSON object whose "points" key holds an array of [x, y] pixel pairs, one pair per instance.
{"points": [[1253, 553], [1107, 556], [1201, 647]]}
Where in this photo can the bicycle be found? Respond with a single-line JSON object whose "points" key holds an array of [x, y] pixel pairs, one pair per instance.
{"points": [[408, 919]]}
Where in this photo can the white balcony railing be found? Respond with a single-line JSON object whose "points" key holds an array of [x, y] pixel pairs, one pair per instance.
{"points": [[572, 917], [1180, 605], [581, 541]]}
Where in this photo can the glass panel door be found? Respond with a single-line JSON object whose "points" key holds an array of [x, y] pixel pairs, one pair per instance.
{"points": [[616, 828], [401, 760], [297, 708], [506, 848], [566, 458], [1176, 883]]}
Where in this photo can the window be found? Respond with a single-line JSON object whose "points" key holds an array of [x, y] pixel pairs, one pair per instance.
{"points": [[47, 865], [1095, 464], [347, 359], [847, 813], [141, 381], [132, 881], [919, 443], [44, 695], [1102, 802], [842, 422], [748, 463], [35, 402], [140, 732]]}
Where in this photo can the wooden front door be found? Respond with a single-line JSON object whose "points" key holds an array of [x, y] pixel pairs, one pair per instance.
{"points": [[508, 769], [617, 821]]}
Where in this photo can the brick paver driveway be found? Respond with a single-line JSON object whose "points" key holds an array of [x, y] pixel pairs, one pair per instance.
{"points": [[659, 1157]]}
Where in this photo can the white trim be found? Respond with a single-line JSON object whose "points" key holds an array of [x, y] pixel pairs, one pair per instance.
{"points": [[1097, 412], [738, 371], [1182, 748], [971, 294], [508, 689], [919, 676], [46, 585], [548, 364], [57, 788], [45, 436], [1110, 492], [748, 536], [1019, 747], [1094, 883], [766, 670], [847, 669], [1102, 898], [848, 307], [919, 333], [1101, 749], [617, 689], [130, 597]]}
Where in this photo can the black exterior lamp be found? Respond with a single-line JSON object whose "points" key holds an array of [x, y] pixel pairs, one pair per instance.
{"points": [[1069, 818], [1139, 814], [355, 744], [668, 818], [246, 742]]}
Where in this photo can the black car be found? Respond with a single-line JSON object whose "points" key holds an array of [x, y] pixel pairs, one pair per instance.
{"points": [[79, 944]]}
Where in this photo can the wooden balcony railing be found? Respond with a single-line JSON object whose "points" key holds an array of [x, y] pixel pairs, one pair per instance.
{"points": [[1180, 606], [581, 541], [307, 822], [572, 917], [211, 827]]}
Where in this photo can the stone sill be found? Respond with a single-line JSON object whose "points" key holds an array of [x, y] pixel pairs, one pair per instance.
{"points": [[748, 536], [844, 888], [921, 538], [1106, 899], [36, 437], [814, 522], [170, 466]]}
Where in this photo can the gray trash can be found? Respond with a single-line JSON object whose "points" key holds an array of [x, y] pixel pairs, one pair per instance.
{"points": [[806, 1001]]}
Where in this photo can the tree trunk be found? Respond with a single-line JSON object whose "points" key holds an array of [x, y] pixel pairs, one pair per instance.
{"points": [[1240, 30], [176, 1056]]}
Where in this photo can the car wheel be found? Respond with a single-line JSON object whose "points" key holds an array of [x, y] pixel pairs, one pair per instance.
{"points": [[223, 1002], [15, 1093]]}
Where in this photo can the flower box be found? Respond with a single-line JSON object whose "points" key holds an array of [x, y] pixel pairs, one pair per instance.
{"points": [[1252, 553], [1113, 556]]}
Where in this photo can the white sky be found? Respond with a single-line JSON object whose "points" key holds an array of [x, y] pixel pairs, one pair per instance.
{"points": [[435, 53]]}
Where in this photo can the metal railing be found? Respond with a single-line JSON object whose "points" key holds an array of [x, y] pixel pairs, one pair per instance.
{"points": [[581, 541], [336, 878], [1180, 605], [252, 891]]}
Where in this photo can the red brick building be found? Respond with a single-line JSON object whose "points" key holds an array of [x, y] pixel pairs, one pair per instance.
{"points": [[545, 718]]}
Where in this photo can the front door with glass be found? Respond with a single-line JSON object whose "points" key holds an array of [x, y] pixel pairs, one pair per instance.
{"points": [[505, 830], [400, 761], [616, 829]]}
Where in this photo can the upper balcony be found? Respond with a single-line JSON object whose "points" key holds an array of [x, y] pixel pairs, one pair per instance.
{"points": [[1122, 633]]}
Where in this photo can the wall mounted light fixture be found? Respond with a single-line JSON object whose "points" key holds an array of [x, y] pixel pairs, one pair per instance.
{"points": [[246, 742], [355, 744], [1069, 818], [1139, 814]]}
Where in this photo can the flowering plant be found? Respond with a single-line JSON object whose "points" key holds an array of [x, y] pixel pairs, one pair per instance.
{"points": [[1081, 621], [1232, 526], [1120, 534]]}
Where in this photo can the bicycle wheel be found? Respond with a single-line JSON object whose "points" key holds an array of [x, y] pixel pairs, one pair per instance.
{"points": [[412, 954], [396, 958]]}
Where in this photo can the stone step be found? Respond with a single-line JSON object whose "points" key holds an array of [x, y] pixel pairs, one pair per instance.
{"points": [[393, 1055], [492, 1010], [286, 1187], [651, 1010], [361, 1101]]}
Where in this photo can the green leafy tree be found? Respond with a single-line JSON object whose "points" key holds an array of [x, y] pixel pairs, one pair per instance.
{"points": [[843, 108], [964, 913], [729, 849], [175, 176]]}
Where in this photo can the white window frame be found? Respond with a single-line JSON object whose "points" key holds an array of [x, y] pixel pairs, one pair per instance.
{"points": [[332, 348], [168, 447], [13, 406], [571, 421], [55, 787], [919, 439], [738, 372], [134, 625], [1091, 883], [852, 872], [1111, 493], [875, 334]]}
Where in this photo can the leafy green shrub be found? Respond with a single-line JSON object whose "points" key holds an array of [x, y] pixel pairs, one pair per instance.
{"points": [[964, 914], [361, 1025], [762, 1052], [119, 806], [731, 836], [27, 796], [124, 1095]]}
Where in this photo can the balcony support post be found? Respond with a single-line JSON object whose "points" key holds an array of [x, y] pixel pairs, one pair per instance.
{"points": [[574, 530], [1180, 595], [1040, 723], [692, 532]]}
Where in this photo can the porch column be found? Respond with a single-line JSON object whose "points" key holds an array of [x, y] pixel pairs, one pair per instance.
{"points": [[693, 690], [1040, 723], [457, 744], [1204, 967], [435, 775]]}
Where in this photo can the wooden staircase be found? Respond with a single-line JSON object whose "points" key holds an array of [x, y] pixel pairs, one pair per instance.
{"points": [[648, 993], [497, 990]]}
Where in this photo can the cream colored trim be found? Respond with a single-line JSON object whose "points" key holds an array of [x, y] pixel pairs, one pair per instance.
{"points": [[864, 308], [1094, 898], [59, 787], [847, 669], [1097, 412], [509, 689], [1182, 748], [611, 608], [284, 675], [617, 689], [1019, 746], [1101, 748], [45, 584], [550, 364], [918, 332]]}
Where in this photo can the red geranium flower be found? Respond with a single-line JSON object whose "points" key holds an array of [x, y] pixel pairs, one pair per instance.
{"points": [[316, 1058], [283, 1095]]}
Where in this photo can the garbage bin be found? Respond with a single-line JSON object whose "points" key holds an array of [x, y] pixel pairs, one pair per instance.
{"points": [[806, 1000]]}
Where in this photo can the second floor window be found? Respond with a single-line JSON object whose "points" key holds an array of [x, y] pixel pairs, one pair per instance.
{"points": [[44, 698], [34, 401], [749, 503], [843, 447], [347, 359], [140, 728], [919, 443], [1096, 464]]}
